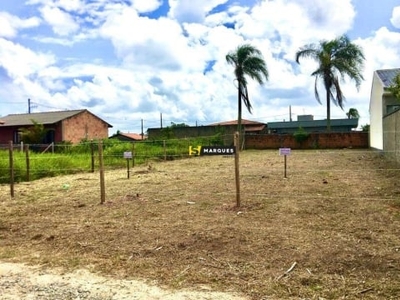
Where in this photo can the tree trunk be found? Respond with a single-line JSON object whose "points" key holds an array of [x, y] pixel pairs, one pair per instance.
{"points": [[239, 113], [328, 111]]}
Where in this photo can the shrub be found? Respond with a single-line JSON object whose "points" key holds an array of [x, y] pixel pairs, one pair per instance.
{"points": [[301, 135]]}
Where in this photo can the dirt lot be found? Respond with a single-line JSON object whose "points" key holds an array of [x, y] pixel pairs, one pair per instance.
{"points": [[330, 230]]}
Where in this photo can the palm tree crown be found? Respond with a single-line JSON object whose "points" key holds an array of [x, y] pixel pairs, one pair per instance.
{"points": [[248, 62], [337, 59], [353, 113]]}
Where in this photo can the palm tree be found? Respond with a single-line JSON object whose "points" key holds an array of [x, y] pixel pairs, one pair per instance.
{"points": [[336, 59], [248, 61], [353, 113]]}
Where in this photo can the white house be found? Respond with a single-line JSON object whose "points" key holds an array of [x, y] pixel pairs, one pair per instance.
{"points": [[381, 103]]}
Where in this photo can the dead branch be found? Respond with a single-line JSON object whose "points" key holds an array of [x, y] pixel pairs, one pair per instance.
{"points": [[287, 271]]}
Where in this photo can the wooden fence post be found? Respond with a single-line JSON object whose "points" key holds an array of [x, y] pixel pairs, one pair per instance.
{"points": [[26, 149], [165, 150], [133, 154], [92, 155], [11, 150], [101, 167]]}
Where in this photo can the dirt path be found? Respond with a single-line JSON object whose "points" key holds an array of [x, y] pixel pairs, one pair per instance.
{"points": [[18, 281]]}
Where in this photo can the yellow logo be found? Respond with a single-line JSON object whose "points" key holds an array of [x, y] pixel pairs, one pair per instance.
{"points": [[194, 150]]}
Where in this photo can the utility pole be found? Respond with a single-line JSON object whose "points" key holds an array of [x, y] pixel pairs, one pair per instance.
{"points": [[142, 130], [160, 120], [290, 113], [29, 105]]}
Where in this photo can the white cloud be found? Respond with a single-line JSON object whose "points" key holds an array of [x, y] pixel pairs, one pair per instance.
{"points": [[395, 19], [28, 62], [144, 6], [10, 24], [155, 66], [61, 22], [192, 11]]}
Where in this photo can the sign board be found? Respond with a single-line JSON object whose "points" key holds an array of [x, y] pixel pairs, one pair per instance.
{"points": [[284, 151], [128, 155], [211, 150]]}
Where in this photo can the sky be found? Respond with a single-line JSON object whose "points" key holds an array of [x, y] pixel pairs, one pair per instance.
{"points": [[150, 63]]}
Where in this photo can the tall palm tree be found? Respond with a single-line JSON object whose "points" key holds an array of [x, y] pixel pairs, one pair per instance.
{"points": [[248, 62], [336, 59]]}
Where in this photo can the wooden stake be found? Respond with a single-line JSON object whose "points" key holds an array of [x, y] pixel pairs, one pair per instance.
{"points": [[11, 150], [26, 149], [101, 166]]}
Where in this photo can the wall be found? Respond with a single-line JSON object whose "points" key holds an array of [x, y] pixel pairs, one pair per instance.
{"points": [[376, 113], [84, 126], [391, 135], [334, 140], [7, 133]]}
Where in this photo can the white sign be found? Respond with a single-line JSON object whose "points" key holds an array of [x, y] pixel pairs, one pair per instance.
{"points": [[128, 155], [284, 151]]}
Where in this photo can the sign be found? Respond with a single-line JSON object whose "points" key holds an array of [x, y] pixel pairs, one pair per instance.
{"points": [[284, 151], [128, 155], [211, 150]]}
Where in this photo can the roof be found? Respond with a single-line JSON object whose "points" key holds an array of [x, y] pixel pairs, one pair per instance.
{"points": [[235, 122], [387, 76], [132, 136], [44, 118], [311, 124]]}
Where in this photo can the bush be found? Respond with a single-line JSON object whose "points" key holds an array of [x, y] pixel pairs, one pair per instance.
{"points": [[301, 135]]}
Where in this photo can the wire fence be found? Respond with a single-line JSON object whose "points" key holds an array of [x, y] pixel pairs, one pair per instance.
{"points": [[359, 173]]}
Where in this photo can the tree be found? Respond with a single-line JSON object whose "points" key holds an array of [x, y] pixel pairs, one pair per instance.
{"points": [[336, 59], [248, 62], [353, 114], [34, 134], [365, 127], [394, 88]]}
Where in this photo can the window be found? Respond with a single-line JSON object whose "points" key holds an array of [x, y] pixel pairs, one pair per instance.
{"points": [[17, 137], [392, 108], [49, 138]]}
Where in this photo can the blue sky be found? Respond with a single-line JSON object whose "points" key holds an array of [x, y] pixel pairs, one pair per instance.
{"points": [[134, 60]]}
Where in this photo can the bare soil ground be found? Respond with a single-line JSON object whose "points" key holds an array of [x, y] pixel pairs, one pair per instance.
{"points": [[330, 230]]}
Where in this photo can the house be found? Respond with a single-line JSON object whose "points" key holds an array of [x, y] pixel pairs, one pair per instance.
{"points": [[62, 126], [382, 103], [310, 125], [249, 127], [128, 137]]}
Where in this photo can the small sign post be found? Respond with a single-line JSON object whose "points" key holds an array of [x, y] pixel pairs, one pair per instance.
{"points": [[285, 152], [127, 156]]}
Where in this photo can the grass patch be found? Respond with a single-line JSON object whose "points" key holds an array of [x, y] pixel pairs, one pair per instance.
{"points": [[176, 224]]}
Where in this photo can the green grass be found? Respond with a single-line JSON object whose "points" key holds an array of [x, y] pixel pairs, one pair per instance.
{"points": [[71, 159]]}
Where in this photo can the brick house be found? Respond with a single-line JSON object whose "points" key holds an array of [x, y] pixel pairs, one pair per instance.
{"points": [[62, 126], [128, 137]]}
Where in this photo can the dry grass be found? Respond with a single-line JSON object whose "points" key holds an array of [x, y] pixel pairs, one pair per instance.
{"points": [[337, 215]]}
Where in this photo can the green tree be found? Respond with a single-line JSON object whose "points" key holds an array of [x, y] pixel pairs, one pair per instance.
{"points": [[34, 134], [353, 114], [337, 59], [248, 62], [365, 127], [394, 88]]}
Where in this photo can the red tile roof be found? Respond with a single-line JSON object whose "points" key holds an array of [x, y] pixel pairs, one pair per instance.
{"points": [[234, 122]]}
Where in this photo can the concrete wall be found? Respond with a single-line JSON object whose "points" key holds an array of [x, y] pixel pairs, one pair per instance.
{"points": [[333, 140], [376, 113], [391, 135]]}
